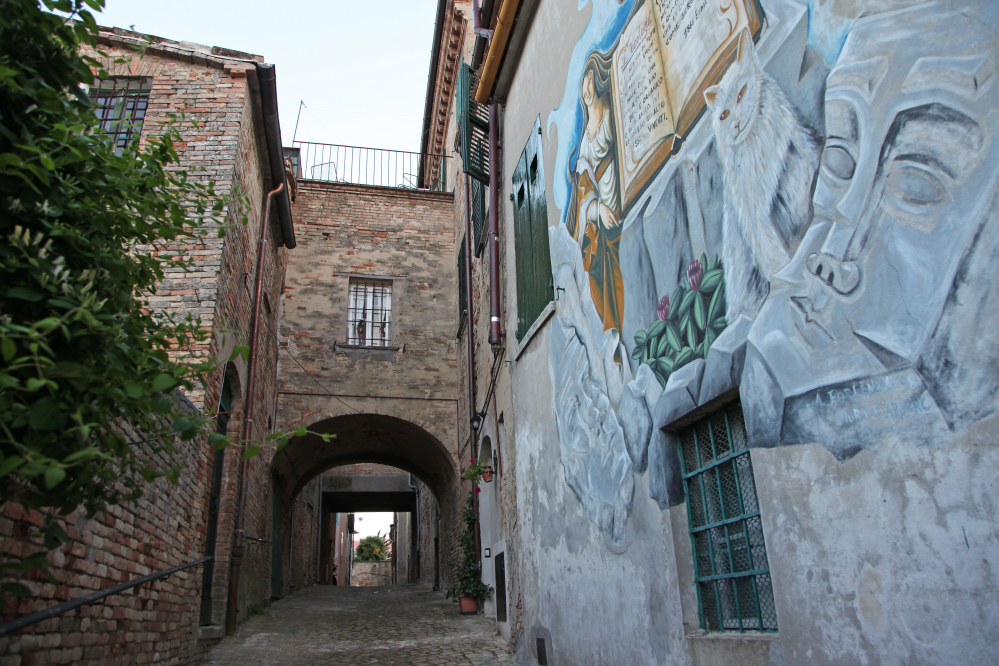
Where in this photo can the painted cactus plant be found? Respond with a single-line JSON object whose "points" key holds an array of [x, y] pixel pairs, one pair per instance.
{"points": [[688, 321]]}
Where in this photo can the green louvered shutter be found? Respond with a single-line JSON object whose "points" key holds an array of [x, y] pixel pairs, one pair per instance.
{"points": [[473, 125]]}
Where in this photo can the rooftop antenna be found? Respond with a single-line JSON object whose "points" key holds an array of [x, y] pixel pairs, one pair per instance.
{"points": [[294, 134]]}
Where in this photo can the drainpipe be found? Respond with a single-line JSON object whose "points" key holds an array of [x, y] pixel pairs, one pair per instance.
{"points": [[482, 35], [238, 548], [319, 528], [497, 47], [495, 334]]}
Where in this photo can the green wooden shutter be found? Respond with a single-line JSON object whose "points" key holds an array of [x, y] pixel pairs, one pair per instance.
{"points": [[542, 291], [523, 244], [473, 125]]}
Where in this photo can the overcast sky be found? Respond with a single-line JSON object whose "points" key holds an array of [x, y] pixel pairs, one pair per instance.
{"points": [[360, 67]]}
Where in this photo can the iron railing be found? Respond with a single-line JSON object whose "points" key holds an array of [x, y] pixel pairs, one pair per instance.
{"points": [[369, 166], [66, 606]]}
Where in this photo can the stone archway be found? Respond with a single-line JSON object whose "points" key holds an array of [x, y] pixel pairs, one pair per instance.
{"points": [[375, 438], [370, 438]]}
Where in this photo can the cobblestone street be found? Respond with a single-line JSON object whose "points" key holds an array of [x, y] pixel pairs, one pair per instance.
{"points": [[347, 626]]}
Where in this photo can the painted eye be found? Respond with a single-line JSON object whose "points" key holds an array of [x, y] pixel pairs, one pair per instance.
{"points": [[916, 186], [838, 162], [741, 93], [724, 115]]}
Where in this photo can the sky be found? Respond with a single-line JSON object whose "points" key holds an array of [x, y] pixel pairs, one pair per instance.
{"points": [[367, 524], [360, 67]]}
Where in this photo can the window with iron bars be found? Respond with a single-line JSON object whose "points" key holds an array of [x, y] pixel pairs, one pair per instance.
{"points": [[369, 313], [121, 103], [731, 571]]}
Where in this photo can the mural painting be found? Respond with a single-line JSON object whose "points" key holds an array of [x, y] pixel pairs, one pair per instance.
{"points": [[804, 212]]}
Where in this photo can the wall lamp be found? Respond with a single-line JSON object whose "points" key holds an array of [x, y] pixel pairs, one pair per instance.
{"points": [[477, 419]]}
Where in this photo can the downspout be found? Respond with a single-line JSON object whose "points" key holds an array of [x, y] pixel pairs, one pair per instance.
{"points": [[319, 528], [495, 334], [482, 34], [266, 78], [504, 22], [238, 548]]}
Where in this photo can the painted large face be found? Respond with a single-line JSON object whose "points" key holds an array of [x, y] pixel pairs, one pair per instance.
{"points": [[586, 90], [908, 169]]}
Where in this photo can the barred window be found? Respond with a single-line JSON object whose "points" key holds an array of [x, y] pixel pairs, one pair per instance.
{"points": [[121, 103], [369, 313], [731, 571]]}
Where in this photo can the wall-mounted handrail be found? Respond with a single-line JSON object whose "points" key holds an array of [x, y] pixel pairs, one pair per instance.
{"points": [[368, 166], [66, 606]]}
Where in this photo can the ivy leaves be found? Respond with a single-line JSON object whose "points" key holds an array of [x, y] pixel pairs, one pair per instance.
{"points": [[689, 321]]}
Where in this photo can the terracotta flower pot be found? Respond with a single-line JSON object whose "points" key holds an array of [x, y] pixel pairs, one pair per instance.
{"points": [[468, 605], [487, 474]]}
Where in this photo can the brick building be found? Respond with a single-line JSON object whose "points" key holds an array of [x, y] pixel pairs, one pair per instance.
{"points": [[236, 144]]}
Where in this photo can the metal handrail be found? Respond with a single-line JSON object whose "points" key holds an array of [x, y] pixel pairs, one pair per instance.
{"points": [[377, 167], [53, 611]]}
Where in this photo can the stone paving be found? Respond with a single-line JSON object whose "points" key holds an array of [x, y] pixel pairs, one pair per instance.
{"points": [[403, 625]]}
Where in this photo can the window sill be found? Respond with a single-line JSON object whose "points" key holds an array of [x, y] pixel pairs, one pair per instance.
{"points": [[747, 649], [535, 327], [366, 347]]}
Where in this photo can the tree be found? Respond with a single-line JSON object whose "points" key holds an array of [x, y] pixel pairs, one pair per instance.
{"points": [[83, 362], [372, 548]]}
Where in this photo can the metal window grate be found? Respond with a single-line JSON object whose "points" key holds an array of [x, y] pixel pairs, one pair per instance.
{"points": [[542, 652], [369, 313], [731, 571], [121, 103]]}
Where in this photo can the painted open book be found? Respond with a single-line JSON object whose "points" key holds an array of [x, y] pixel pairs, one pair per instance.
{"points": [[668, 54]]}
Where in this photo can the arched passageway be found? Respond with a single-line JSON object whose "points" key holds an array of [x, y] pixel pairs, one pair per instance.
{"points": [[360, 438]]}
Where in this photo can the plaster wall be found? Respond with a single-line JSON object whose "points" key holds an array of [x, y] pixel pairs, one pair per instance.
{"points": [[875, 496]]}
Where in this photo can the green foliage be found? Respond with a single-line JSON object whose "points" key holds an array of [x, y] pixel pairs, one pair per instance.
{"points": [[372, 548], [83, 363], [258, 608], [466, 569], [79, 232], [689, 321], [474, 472]]}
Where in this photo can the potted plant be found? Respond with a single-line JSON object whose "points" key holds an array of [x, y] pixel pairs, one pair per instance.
{"points": [[477, 471], [487, 475], [468, 587]]}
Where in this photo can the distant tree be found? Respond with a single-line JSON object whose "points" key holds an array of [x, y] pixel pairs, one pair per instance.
{"points": [[372, 548]]}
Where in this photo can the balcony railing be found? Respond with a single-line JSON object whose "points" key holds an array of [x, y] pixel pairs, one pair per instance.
{"points": [[369, 166]]}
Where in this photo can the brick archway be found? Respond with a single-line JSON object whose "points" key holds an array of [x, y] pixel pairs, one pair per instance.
{"points": [[361, 438]]}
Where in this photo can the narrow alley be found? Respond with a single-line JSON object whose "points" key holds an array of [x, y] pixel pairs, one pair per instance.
{"points": [[403, 624]]}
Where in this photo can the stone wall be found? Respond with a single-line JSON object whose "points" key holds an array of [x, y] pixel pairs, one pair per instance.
{"points": [[370, 574], [362, 395]]}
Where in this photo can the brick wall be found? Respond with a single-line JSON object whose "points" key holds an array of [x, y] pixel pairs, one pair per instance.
{"points": [[403, 236], [168, 526]]}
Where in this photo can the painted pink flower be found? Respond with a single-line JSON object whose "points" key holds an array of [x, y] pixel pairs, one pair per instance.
{"points": [[663, 308], [694, 274]]}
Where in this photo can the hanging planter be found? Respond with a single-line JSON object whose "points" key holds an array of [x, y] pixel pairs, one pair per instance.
{"points": [[487, 475]]}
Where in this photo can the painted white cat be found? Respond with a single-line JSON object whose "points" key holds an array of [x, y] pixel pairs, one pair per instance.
{"points": [[770, 160]]}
